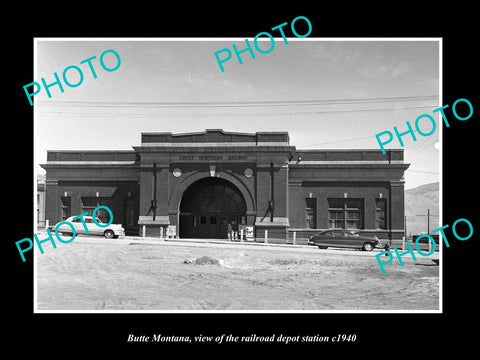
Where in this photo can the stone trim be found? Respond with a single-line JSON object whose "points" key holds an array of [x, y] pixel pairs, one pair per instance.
{"points": [[159, 220], [277, 222]]}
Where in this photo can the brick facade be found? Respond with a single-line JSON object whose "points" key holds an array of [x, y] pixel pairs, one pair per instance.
{"points": [[272, 178]]}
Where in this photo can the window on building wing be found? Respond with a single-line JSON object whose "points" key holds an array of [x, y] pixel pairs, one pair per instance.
{"points": [[66, 207], [335, 219], [380, 213], [311, 213], [89, 203], [353, 219], [345, 213]]}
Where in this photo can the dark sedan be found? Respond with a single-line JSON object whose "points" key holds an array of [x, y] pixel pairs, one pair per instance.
{"points": [[343, 238]]}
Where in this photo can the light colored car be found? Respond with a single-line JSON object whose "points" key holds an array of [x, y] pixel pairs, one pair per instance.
{"points": [[111, 231]]}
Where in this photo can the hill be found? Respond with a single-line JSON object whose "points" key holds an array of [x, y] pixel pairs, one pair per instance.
{"points": [[417, 202]]}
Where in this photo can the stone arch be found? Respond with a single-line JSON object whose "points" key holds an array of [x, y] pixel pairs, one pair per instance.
{"points": [[176, 197]]}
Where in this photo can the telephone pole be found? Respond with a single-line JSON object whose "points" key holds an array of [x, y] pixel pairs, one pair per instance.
{"points": [[428, 220]]}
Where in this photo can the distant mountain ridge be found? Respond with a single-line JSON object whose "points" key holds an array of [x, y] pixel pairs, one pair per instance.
{"points": [[417, 202]]}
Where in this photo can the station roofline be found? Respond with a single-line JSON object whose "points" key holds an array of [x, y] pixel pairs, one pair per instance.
{"points": [[214, 130], [215, 136]]}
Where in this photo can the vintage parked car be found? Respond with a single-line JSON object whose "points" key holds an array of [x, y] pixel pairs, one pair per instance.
{"points": [[343, 238], [112, 231]]}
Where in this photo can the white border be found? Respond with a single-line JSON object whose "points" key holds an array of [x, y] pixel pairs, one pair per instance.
{"points": [[386, 39]]}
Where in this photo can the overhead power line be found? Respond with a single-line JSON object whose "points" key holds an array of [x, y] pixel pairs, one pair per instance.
{"points": [[350, 139], [237, 114], [346, 101]]}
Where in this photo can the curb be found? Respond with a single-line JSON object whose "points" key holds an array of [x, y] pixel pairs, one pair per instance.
{"points": [[213, 241]]}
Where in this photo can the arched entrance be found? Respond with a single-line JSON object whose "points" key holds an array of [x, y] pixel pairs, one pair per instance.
{"points": [[207, 206]]}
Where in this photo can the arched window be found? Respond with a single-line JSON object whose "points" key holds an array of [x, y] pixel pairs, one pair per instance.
{"points": [[213, 196]]}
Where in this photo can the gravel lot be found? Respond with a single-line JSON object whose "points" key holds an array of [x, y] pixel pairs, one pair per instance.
{"points": [[94, 274]]}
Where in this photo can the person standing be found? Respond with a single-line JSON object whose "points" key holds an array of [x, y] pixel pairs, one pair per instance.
{"points": [[229, 231]]}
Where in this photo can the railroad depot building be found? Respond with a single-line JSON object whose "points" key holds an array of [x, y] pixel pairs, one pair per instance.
{"points": [[194, 184]]}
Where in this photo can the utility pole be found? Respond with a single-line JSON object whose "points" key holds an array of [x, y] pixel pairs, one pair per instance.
{"points": [[428, 222], [271, 203], [428, 219], [154, 201]]}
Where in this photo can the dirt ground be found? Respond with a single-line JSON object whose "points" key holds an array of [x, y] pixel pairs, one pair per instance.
{"points": [[124, 276]]}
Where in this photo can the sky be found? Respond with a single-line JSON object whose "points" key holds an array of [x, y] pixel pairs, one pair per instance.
{"points": [[327, 93]]}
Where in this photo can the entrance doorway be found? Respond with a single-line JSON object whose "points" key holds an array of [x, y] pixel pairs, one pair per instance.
{"points": [[207, 206]]}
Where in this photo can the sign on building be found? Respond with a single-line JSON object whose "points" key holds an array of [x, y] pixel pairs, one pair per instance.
{"points": [[249, 233], [171, 232]]}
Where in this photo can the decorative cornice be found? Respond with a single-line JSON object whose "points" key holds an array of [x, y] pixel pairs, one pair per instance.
{"points": [[51, 182], [220, 148], [352, 165]]}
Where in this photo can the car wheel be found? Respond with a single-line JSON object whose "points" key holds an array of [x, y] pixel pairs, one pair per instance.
{"points": [[109, 234], [368, 247]]}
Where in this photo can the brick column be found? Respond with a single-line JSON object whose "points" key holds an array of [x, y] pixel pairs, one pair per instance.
{"points": [[52, 202], [277, 229], [146, 196], [397, 208]]}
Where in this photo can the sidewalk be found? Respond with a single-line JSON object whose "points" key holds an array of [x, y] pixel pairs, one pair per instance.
{"points": [[135, 240], [138, 240], [156, 240]]}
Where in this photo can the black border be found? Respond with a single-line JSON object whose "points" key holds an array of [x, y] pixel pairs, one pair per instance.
{"points": [[376, 333]]}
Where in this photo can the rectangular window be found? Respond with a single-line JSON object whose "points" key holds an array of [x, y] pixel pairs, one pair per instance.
{"points": [[336, 203], [380, 213], [66, 207], [353, 219], [345, 213], [103, 215], [213, 220], [353, 203], [311, 213], [89, 203], [203, 220], [335, 219]]}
